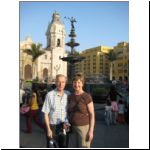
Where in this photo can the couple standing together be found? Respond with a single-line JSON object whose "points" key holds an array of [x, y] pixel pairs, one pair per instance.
{"points": [[76, 108]]}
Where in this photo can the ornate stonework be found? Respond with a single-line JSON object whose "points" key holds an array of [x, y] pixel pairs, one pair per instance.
{"points": [[49, 64]]}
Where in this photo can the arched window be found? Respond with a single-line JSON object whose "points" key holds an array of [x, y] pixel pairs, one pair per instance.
{"points": [[58, 42], [45, 73], [28, 72]]}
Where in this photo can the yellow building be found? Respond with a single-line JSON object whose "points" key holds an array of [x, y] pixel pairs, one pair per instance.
{"points": [[95, 63], [121, 65]]}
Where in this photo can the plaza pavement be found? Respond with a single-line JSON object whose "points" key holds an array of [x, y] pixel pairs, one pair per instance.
{"points": [[114, 136]]}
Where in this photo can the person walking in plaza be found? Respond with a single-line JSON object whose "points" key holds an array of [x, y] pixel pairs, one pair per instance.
{"points": [[127, 107], [81, 115], [113, 97], [33, 113], [55, 110], [121, 111], [108, 113], [22, 92], [42, 91]]}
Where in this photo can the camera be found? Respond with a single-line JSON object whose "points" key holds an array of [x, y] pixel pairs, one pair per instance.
{"points": [[52, 143]]}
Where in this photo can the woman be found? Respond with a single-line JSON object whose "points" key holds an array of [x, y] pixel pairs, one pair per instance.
{"points": [[81, 115], [33, 114], [113, 97]]}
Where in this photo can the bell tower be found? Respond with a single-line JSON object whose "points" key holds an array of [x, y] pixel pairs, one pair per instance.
{"points": [[55, 35]]}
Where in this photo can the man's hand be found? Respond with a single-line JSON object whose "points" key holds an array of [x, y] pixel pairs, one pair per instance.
{"points": [[49, 133], [66, 126]]}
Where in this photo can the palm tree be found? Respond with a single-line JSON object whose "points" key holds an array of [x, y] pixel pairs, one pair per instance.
{"points": [[35, 52], [111, 57]]}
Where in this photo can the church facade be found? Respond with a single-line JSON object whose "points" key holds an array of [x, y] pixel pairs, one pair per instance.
{"points": [[49, 64]]}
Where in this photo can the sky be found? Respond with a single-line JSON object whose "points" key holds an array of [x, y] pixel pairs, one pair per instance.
{"points": [[139, 57], [98, 23]]}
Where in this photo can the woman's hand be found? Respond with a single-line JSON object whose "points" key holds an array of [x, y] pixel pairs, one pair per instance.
{"points": [[89, 136]]}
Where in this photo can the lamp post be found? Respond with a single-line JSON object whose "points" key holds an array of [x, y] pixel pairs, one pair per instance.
{"points": [[57, 67]]}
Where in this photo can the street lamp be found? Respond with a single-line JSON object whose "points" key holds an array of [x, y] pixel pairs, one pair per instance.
{"points": [[57, 67]]}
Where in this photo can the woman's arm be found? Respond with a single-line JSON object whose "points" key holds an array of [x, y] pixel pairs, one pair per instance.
{"points": [[90, 107]]}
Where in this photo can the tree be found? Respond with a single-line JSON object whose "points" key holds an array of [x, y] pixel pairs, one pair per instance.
{"points": [[111, 57], [35, 52]]}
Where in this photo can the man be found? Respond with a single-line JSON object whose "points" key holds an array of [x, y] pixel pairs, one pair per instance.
{"points": [[55, 109]]}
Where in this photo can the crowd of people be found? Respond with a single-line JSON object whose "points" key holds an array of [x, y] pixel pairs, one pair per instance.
{"points": [[68, 119], [117, 104]]}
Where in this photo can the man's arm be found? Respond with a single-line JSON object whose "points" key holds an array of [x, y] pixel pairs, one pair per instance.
{"points": [[46, 110], [47, 122]]}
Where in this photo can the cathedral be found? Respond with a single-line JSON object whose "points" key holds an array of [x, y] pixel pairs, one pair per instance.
{"points": [[49, 64]]}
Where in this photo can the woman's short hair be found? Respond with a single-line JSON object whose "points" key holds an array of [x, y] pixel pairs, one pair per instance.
{"points": [[79, 76]]}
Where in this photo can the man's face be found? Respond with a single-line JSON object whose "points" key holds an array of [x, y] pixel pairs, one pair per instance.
{"points": [[60, 83]]}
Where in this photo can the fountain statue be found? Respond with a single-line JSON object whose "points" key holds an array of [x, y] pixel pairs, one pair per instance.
{"points": [[72, 58]]}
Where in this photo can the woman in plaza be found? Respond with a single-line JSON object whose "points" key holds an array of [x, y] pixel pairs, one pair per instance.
{"points": [[33, 113], [108, 113], [81, 115], [113, 97], [121, 111]]}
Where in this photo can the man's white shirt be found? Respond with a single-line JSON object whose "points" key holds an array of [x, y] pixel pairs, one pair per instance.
{"points": [[56, 106]]}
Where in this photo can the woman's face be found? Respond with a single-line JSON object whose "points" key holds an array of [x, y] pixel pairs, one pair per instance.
{"points": [[78, 85]]}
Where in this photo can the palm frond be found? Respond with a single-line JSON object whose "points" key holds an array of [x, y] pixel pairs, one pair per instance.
{"points": [[35, 51], [28, 51], [111, 56], [37, 54]]}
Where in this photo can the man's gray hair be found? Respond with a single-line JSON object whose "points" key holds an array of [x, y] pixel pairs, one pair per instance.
{"points": [[60, 75]]}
